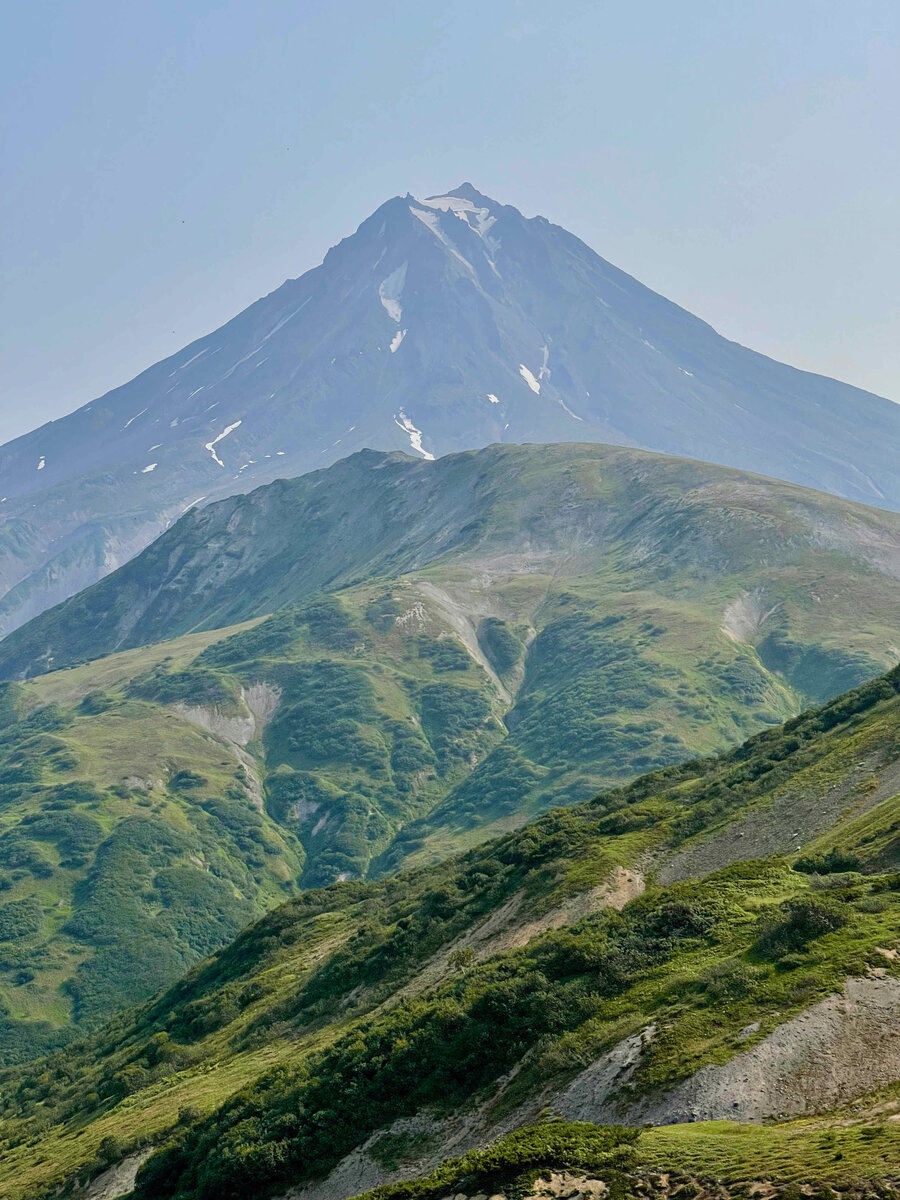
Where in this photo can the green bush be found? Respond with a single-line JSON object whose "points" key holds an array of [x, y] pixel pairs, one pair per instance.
{"points": [[271, 638], [74, 833], [195, 685], [382, 612], [445, 654], [325, 716], [731, 979], [328, 624], [18, 850], [448, 714], [501, 646], [795, 924], [20, 919], [511, 1165], [833, 863]]}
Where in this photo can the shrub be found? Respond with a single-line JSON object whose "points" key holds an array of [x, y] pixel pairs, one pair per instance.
{"points": [[731, 979], [382, 612], [445, 654], [20, 919], [500, 644], [832, 863], [196, 685], [795, 924]]}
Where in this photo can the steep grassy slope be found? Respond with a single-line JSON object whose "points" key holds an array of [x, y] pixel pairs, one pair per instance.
{"points": [[709, 1161], [132, 843], [155, 801], [495, 520], [601, 961]]}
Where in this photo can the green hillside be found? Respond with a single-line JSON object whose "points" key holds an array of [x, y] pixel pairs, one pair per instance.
{"points": [[131, 844], [493, 520], [153, 804], [559, 620], [607, 962]]}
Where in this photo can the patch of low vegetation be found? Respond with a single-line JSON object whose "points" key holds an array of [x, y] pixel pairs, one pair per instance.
{"points": [[501, 645], [194, 685], [511, 1165]]}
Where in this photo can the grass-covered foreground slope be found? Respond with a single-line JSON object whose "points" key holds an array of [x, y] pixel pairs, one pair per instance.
{"points": [[610, 962], [711, 1161]]}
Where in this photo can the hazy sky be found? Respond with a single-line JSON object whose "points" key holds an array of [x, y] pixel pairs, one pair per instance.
{"points": [[166, 163]]}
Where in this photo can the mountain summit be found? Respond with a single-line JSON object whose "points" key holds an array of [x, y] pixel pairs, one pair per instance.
{"points": [[441, 324]]}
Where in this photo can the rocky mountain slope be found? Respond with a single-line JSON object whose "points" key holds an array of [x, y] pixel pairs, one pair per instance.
{"points": [[637, 958], [440, 325]]}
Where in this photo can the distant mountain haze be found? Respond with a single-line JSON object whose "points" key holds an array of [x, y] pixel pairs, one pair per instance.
{"points": [[440, 325]]}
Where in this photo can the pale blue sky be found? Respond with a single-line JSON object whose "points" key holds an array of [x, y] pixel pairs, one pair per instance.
{"points": [[165, 164]]}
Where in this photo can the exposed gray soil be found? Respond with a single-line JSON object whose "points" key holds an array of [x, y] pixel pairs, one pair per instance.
{"points": [[781, 827], [844, 1046]]}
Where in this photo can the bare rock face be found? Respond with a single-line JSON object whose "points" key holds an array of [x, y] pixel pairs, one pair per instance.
{"points": [[117, 1180], [844, 1046]]}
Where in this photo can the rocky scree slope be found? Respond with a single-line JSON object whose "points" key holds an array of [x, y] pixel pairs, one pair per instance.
{"points": [[440, 325], [364, 1032]]}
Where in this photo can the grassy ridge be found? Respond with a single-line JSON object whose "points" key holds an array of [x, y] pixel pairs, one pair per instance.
{"points": [[677, 527]]}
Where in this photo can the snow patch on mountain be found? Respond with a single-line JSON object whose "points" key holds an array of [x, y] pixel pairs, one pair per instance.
{"points": [[479, 220], [193, 358], [454, 204], [256, 349], [568, 411], [529, 379], [134, 418], [284, 320], [211, 446], [415, 435], [493, 399], [390, 291], [431, 221]]}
